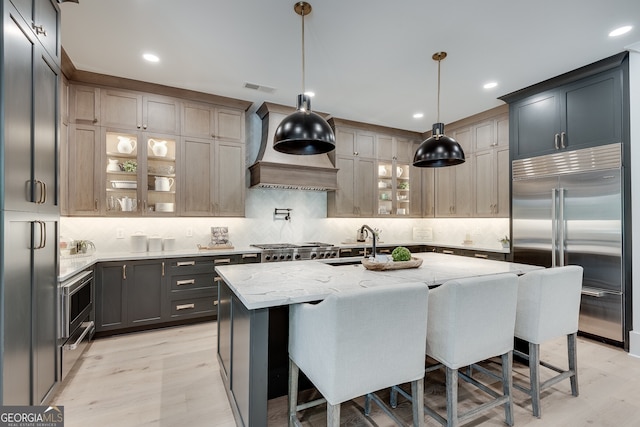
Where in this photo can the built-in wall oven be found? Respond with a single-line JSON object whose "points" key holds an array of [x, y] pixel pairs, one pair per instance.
{"points": [[77, 325]]}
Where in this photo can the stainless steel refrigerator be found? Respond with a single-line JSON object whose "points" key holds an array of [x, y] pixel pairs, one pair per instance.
{"points": [[568, 209]]}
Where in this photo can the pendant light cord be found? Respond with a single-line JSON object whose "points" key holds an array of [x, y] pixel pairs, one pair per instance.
{"points": [[438, 121], [303, 70]]}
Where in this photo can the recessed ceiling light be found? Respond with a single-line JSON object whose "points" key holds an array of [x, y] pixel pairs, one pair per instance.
{"points": [[310, 94], [151, 57], [620, 31], [490, 85], [418, 115]]}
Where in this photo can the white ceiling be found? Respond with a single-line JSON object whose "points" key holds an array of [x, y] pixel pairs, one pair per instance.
{"points": [[368, 61]]}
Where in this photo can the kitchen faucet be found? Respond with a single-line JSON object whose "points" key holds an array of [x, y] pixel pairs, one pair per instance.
{"points": [[373, 238]]}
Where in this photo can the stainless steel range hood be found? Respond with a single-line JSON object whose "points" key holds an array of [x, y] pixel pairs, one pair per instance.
{"points": [[273, 169]]}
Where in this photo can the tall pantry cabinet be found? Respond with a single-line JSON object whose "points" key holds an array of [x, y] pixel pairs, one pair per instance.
{"points": [[29, 202]]}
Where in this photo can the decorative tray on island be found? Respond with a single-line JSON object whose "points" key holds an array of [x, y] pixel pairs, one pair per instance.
{"points": [[392, 265]]}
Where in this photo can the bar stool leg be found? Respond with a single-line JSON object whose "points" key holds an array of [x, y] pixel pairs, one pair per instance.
{"points": [[417, 394], [393, 398], [367, 404], [333, 415], [452, 397], [293, 392], [534, 374], [572, 344], [507, 385]]}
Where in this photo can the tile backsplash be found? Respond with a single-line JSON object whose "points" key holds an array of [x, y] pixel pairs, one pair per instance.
{"points": [[308, 223]]}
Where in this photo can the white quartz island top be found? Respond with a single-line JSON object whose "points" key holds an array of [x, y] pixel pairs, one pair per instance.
{"points": [[283, 283]]}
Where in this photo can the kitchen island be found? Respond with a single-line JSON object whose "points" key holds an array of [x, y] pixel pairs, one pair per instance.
{"points": [[253, 321]]}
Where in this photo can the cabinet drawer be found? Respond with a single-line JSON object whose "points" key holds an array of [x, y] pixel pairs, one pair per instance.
{"points": [[194, 306], [182, 266], [192, 281]]}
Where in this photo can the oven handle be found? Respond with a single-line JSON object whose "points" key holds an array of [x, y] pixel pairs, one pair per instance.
{"points": [[88, 328], [76, 282]]}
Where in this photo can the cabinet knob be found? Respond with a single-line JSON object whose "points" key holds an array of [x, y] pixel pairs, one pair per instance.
{"points": [[95, 120], [138, 126], [355, 153], [144, 126]]}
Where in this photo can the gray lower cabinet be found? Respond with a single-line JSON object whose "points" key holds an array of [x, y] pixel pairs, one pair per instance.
{"points": [[129, 293], [140, 293]]}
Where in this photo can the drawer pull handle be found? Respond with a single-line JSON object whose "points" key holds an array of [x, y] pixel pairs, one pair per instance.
{"points": [[185, 306], [186, 282], [217, 279], [222, 261], [445, 251], [249, 255], [184, 263], [481, 256]]}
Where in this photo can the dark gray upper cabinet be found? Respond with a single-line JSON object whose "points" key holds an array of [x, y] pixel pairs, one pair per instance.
{"points": [[580, 109]]}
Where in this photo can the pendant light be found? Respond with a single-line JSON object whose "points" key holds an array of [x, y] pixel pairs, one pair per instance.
{"points": [[438, 150], [304, 132]]}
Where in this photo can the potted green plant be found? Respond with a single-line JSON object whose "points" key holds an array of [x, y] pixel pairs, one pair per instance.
{"points": [[505, 241]]}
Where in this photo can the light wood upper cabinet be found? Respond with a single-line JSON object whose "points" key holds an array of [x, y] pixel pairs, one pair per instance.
{"points": [[85, 171], [208, 121], [84, 105], [160, 114], [454, 192], [492, 168], [196, 195], [350, 142], [355, 195], [133, 110], [212, 178], [229, 179], [121, 109]]}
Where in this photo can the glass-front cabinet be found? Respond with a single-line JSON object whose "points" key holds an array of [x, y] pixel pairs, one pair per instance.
{"points": [[140, 173], [393, 189]]}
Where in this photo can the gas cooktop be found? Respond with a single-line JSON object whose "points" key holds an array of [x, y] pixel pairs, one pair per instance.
{"points": [[273, 252]]}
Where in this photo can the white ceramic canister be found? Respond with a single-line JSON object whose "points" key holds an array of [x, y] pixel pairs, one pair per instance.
{"points": [[155, 244], [138, 242], [169, 244]]}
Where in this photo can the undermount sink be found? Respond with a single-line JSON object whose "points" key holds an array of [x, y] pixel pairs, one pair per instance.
{"points": [[339, 262]]}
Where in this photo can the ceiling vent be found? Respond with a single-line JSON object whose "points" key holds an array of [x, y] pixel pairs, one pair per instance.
{"points": [[261, 88]]}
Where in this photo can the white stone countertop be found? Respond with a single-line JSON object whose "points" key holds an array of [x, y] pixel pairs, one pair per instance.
{"points": [[75, 264], [385, 244], [69, 266], [283, 283]]}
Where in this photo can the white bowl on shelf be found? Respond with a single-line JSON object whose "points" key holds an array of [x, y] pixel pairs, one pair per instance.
{"points": [[124, 184]]}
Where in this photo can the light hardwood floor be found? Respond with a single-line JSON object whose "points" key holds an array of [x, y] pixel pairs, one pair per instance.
{"points": [[170, 377]]}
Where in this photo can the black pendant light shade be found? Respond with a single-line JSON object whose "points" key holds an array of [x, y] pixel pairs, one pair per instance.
{"points": [[439, 150], [304, 132]]}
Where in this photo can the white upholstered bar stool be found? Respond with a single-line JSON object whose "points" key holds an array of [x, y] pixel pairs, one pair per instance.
{"points": [[548, 308], [471, 320], [357, 342]]}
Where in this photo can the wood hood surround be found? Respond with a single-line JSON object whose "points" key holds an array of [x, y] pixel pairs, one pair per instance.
{"points": [[273, 169]]}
